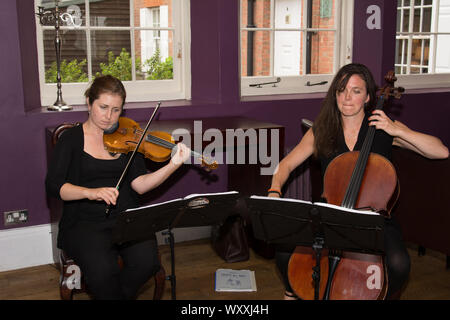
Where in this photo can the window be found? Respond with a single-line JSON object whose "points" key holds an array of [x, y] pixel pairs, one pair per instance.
{"points": [[145, 43], [293, 46], [423, 43]]}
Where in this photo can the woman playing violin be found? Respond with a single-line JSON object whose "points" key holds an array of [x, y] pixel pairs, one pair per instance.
{"points": [[83, 174], [340, 127]]}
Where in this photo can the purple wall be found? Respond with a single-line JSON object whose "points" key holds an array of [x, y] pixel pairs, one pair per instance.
{"points": [[215, 92]]}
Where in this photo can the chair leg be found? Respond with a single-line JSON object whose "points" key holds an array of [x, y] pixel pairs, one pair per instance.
{"points": [[64, 291], [70, 279], [160, 282]]}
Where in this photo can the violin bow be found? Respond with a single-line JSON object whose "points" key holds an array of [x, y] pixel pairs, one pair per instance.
{"points": [[108, 207]]}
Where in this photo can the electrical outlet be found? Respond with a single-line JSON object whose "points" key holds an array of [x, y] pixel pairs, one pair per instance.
{"points": [[15, 217]]}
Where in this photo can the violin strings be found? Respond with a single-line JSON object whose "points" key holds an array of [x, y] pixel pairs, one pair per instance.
{"points": [[169, 145], [157, 140], [160, 141]]}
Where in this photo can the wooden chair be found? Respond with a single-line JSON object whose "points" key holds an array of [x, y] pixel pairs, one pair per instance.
{"points": [[68, 266]]}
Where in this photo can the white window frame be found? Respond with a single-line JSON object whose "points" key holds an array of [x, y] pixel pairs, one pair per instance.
{"points": [[137, 90], [298, 84], [432, 79]]}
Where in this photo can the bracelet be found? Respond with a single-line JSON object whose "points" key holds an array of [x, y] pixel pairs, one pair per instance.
{"points": [[274, 191]]}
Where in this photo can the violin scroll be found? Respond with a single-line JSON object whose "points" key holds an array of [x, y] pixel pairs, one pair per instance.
{"points": [[210, 165]]}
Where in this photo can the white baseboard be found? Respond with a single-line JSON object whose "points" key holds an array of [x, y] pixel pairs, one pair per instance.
{"points": [[25, 247], [36, 245]]}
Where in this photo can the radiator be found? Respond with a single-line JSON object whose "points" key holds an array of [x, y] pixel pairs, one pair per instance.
{"points": [[298, 186]]}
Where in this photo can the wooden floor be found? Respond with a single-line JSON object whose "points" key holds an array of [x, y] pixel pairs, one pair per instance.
{"points": [[196, 263]]}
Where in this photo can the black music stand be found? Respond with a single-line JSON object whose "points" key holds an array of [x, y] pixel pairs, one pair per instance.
{"points": [[192, 211], [316, 225]]}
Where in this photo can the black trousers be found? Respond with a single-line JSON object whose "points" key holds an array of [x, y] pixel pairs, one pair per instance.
{"points": [[90, 245], [397, 259]]}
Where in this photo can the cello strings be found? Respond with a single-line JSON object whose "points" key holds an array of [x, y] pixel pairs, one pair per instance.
{"points": [[352, 191]]}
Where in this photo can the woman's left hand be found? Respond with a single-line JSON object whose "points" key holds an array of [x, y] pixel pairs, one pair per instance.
{"points": [[182, 153], [381, 121]]}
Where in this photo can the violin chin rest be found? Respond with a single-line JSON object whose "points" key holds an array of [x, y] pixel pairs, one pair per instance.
{"points": [[112, 129]]}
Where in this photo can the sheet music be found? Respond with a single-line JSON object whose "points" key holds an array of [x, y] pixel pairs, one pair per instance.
{"points": [[154, 205], [190, 196], [324, 204], [281, 199], [320, 204], [208, 194]]}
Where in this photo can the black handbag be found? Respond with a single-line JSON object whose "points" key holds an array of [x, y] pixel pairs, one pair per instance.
{"points": [[229, 239]]}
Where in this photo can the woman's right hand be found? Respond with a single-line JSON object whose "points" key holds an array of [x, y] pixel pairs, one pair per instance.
{"points": [[70, 192], [273, 195], [107, 194]]}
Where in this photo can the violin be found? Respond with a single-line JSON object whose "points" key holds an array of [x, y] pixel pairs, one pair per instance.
{"points": [[156, 146], [356, 179]]}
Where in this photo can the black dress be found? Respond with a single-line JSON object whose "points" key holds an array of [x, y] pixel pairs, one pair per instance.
{"points": [[397, 257], [85, 232]]}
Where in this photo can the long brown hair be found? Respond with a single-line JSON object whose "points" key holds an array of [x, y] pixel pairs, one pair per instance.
{"points": [[105, 84], [328, 124]]}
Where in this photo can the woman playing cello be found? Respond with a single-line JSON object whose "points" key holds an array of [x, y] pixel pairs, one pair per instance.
{"points": [[341, 126], [83, 173]]}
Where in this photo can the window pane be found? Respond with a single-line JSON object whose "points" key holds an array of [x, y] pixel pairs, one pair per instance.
{"points": [[287, 53], [111, 53], [405, 27], [257, 16], [288, 14], [322, 13], [415, 70], [399, 49], [109, 13], [426, 20], [322, 52], [153, 14], [71, 13], [416, 23], [416, 52], [154, 55], [426, 51], [255, 53], [73, 56], [420, 52]]}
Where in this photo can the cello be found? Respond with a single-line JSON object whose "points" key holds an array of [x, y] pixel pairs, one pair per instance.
{"points": [[353, 180]]}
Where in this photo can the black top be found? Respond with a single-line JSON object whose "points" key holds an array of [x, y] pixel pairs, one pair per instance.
{"points": [[71, 164], [382, 144]]}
